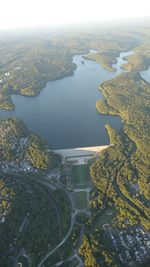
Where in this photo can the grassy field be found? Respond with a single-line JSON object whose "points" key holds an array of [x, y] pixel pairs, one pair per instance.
{"points": [[80, 200], [80, 175], [106, 217]]}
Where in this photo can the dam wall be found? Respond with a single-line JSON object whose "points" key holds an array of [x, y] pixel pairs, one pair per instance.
{"points": [[80, 155]]}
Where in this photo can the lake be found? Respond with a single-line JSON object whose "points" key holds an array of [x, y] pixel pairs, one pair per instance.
{"points": [[145, 74], [64, 113]]}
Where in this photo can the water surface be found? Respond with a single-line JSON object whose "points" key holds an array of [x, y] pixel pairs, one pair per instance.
{"points": [[145, 74], [64, 112]]}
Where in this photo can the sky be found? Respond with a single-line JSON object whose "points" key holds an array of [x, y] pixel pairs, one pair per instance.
{"points": [[27, 13]]}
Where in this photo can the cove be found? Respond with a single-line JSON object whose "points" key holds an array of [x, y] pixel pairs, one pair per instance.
{"points": [[64, 113], [145, 74]]}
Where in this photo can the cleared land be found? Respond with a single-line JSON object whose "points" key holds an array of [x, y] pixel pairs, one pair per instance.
{"points": [[106, 217], [80, 175], [80, 200]]}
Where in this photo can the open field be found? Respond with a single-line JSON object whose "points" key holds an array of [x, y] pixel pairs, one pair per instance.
{"points": [[106, 217], [80, 175], [80, 200]]}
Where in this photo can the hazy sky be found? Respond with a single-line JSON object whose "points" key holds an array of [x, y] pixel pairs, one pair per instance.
{"points": [[22, 13]]}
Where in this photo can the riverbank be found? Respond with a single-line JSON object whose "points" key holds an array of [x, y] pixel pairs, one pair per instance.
{"points": [[121, 179], [59, 113], [105, 59], [6, 102]]}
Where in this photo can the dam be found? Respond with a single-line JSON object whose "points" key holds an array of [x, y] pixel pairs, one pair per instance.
{"points": [[81, 155]]}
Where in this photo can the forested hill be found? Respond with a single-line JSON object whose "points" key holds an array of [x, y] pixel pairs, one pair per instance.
{"points": [[22, 151], [27, 64], [121, 177]]}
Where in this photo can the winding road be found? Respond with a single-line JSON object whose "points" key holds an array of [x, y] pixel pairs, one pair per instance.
{"points": [[61, 243], [73, 216]]}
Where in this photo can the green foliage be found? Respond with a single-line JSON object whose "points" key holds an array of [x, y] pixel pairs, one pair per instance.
{"points": [[22, 150], [31, 64], [86, 250], [37, 218], [33, 61], [121, 173], [105, 59], [141, 59]]}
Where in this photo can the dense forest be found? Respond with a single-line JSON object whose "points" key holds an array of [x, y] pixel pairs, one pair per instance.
{"points": [[105, 58], [27, 66], [23, 151], [32, 224], [121, 173]]}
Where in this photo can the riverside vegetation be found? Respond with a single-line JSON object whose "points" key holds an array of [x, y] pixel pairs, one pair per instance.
{"points": [[28, 63], [22, 150], [121, 174], [27, 66]]}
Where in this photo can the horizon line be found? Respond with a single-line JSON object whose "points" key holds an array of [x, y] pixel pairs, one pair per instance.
{"points": [[74, 24]]}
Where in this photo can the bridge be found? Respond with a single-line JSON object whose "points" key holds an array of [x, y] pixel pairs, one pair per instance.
{"points": [[81, 155]]}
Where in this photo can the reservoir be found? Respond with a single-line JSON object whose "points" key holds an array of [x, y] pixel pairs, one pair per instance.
{"points": [[145, 74], [64, 113]]}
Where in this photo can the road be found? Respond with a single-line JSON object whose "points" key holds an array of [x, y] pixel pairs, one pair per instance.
{"points": [[75, 255], [73, 216]]}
